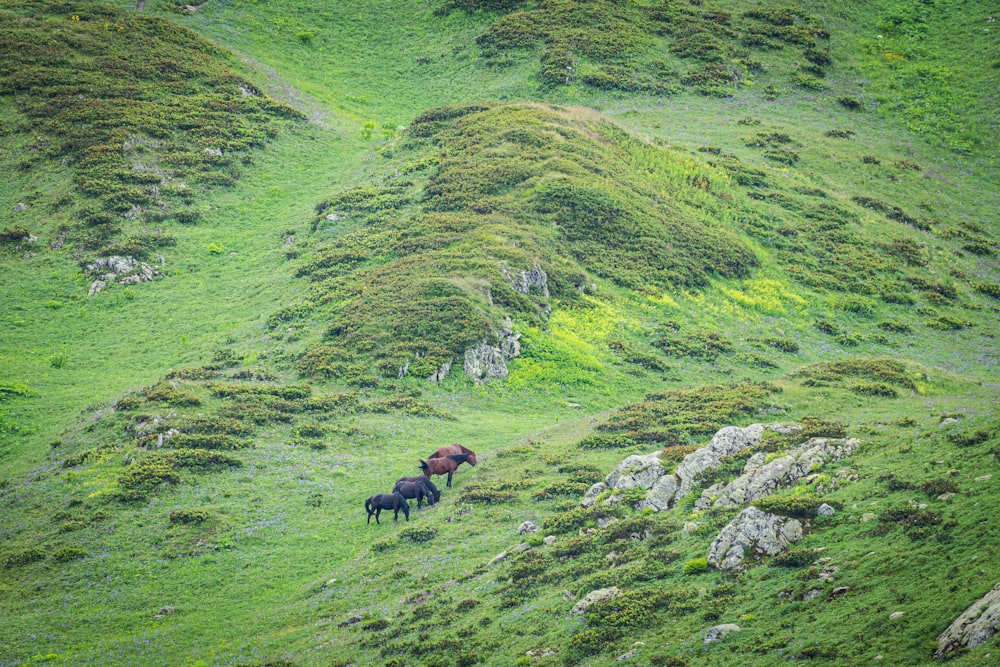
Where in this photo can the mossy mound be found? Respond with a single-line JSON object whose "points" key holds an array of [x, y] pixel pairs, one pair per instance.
{"points": [[492, 213]]}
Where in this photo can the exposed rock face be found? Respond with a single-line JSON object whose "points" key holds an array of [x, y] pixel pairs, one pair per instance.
{"points": [[124, 270], [488, 362], [441, 372], [593, 598], [752, 533], [590, 497], [661, 494], [636, 471], [725, 443], [717, 632], [976, 624], [761, 478], [524, 281]]}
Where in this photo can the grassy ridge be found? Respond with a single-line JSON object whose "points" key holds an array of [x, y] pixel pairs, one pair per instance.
{"points": [[211, 514]]}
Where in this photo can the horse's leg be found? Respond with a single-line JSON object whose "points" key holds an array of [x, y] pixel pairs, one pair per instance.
{"points": [[377, 513], [449, 478], [395, 515]]}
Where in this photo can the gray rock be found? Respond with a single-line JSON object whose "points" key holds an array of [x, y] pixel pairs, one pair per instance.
{"points": [[753, 533], [96, 287], [717, 632], [524, 281], [592, 598], [485, 362], [527, 528], [441, 373], [973, 627], [661, 494], [590, 497], [538, 653], [761, 478], [709, 495], [20, 206], [637, 471], [725, 443], [825, 510], [549, 540], [896, 614]]}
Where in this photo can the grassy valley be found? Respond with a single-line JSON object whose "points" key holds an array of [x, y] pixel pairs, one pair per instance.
{"points": [[260, 259]]}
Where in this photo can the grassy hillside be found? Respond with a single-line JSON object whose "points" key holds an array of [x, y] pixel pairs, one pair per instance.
{"points": [[665, 218]]}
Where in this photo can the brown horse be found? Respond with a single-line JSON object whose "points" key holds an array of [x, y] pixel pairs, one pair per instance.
{"points": [[443, 466], [387, 501], [418, 487], [454, 448]]}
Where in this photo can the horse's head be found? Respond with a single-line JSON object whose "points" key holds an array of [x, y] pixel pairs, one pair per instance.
{"points": [[472, 459]]}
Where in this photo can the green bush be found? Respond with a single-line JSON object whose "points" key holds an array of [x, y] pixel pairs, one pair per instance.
{"points": [[189, 516], [417, 534], [68, 554], [24, 557], [696, 566], [798, 506]]}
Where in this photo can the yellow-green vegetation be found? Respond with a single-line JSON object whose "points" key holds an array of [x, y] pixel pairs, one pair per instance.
{"points": [[666, 217], [489, 213]]}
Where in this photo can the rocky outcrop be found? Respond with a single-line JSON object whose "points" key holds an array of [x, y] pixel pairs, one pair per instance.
{"points": [[761, 478], [485, 362], [725, 443], [717, 632], [590, 497], [636, 471], [976, 625], [118, 269], [593, 598], [441, 373], [661, 494], [528, 280], [752, 534]]}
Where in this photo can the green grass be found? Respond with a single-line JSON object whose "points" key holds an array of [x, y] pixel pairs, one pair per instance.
{"points": [[853, 290]]}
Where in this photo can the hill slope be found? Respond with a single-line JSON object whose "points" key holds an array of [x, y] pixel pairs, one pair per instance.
{"points": [[622, 261]]}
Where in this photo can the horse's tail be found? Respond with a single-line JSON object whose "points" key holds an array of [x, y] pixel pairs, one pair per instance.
{"points": [[423, 466], [368, 504]]}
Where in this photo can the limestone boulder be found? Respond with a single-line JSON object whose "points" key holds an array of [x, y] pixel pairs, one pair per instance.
{"points": [[661, 494], [761, 478], [725, 443], [592, 598], [752, 534], [717, 632], [973, 627], [590, 497]]}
